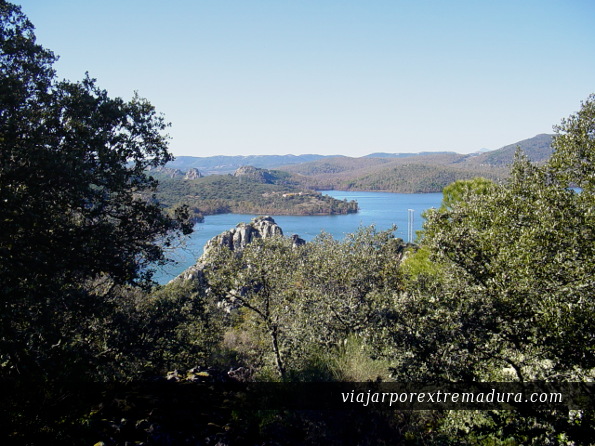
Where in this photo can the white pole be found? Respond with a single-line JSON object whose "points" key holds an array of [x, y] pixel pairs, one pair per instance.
{"points": [[410, 216]]}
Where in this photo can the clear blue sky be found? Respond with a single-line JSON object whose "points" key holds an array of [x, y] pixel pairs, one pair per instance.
{"points": [[332, 76]]}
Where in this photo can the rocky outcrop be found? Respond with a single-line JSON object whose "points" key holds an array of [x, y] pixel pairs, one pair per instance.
{"points": [[244, 233], [297, 240], [194, 273], [236, 239], [192, 174], [254, 173]]}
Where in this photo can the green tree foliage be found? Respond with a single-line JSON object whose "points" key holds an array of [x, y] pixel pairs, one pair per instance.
{"points": [[573, 160], [520, 262], [460, 189], [174, 327], [304, 300], [217, 194], [351, 276], [257, 281], [72, 221], [516, 296]]}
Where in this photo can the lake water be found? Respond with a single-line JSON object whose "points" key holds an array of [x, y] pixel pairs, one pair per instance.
{"points": [[382, 209]]}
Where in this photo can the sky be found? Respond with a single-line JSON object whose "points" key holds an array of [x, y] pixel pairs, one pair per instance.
{"points": [[262, 77]]}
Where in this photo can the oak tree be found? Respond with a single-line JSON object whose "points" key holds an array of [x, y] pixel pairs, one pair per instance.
{"points": [[76, 212]]}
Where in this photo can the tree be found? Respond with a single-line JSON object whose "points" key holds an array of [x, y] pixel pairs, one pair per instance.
{"points": [[518, 265], [257, 282], [515, 299], [573, 160], [351, 278], [76, 214], [461, 189], [305, 300]]}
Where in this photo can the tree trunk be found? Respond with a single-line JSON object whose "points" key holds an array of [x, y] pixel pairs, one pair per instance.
{"points": [[278, 359]]}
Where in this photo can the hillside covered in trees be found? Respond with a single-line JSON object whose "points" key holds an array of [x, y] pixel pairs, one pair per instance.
{"points": [[499, 288], [249, 190], [284, 191], [414, 173], [403, 172]]}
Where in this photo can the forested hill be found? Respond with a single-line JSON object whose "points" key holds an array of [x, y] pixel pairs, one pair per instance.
{"points": [[409, 173], [249, 190], [538, 149], [394, 172]]}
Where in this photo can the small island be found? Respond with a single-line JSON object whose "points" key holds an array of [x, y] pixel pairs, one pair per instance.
{"points": [[249, 190]]}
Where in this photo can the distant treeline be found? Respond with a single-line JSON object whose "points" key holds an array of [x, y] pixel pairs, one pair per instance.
{"points": [[429, 172], [403, 173], [406, 178], [218, 194]]}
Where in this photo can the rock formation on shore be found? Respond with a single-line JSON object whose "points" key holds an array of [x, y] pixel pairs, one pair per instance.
{"points": [[236, 239], [244, 233]]}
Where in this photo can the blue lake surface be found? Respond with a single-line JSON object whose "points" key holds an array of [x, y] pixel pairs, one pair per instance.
{"points": [[382, 209]]}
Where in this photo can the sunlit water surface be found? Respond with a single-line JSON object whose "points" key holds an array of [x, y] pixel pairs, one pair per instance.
{"points": [[382, 209]]}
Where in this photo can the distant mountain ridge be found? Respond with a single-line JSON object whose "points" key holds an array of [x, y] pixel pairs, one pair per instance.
{"points": [[420, 172], [538, 149], [222, 164], [405, 155], [391, 172]]}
